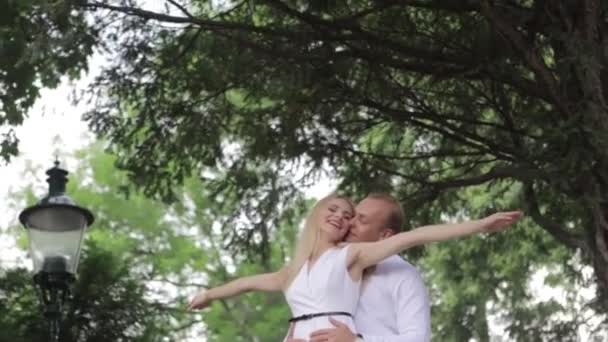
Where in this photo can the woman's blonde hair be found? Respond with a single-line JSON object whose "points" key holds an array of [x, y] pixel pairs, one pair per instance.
{"points": [[307, 242]]}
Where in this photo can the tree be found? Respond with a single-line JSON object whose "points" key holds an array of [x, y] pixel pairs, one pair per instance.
{"points": [[482, 285], [108, 304], [427, 98], [42, 41], [143, 260], [431, 99]]}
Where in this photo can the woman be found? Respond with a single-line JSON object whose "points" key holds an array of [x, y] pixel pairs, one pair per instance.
{"points": [[324, 277]]}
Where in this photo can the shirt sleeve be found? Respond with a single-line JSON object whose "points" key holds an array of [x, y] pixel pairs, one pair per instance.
{"points": [[412, 309]]}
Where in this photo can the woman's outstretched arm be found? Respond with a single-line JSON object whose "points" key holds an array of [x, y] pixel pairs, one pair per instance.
{"points": [[364, 255], [267, 282]]}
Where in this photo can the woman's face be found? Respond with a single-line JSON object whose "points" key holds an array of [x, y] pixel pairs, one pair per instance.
{"points": [[334, 218]]}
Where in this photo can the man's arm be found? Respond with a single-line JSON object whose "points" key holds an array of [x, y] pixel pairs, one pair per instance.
{"points": [[412, 310]]}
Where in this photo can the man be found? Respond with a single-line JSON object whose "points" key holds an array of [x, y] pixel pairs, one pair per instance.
{"points": [[394, 304]]}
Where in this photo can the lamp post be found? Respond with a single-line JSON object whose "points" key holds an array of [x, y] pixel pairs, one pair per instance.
{"points": [[55, 227]]}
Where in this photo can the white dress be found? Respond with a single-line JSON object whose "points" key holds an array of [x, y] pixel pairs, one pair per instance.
{"points": [[326, 287]]}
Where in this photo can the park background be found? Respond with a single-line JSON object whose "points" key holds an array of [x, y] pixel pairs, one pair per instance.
{"points": [[199, 133]]}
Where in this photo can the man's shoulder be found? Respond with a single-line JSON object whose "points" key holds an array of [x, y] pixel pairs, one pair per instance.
{"points": [[396, 266]]}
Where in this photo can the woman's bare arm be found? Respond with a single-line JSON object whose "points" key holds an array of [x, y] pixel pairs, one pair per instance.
{"points": [[364, 255], [267, 282]]}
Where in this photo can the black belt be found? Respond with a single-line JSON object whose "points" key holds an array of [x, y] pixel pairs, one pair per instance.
{"points": [[320, 314]]}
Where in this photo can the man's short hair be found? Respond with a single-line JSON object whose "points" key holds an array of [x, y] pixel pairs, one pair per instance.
{"points": [[396, 216]]}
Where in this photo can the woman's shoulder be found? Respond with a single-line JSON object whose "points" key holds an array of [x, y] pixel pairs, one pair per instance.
{"points": [[343, 244], [343, 247]]}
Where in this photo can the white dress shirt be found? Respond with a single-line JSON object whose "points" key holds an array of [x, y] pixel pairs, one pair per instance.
{"points": [[394, 304]]}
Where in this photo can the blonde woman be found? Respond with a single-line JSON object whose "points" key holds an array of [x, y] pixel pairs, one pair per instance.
{"points": [[323, 279]]}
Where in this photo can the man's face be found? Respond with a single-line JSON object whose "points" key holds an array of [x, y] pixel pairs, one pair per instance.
{"points": [[369, 222]]}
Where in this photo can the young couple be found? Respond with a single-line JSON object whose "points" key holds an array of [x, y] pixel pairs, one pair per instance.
{"points": [[345, 281]]}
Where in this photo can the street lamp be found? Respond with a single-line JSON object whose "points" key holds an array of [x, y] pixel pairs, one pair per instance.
{"points": [[55, 227]]}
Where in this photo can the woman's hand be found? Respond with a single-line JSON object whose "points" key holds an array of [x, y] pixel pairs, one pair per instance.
{"points": [[500, 221], [202, 300]]}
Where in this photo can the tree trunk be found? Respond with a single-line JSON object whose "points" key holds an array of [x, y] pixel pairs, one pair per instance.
{"points": [[481, 322], [598, 251]]}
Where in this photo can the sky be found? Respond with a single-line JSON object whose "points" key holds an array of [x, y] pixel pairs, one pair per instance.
{"points": [[53, 127]]}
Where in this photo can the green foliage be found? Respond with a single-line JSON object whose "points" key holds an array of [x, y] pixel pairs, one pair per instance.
{"points": [[108, 304], [143, 260], [458, 107], [40, 42], [487, 279]]}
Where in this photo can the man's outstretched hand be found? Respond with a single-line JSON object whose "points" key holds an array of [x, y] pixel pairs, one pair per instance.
{"points": [[341, 333]]}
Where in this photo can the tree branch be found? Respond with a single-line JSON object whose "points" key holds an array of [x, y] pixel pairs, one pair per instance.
{"points": [[442, 127], [530, 56], [601, 231], [497, 172], [206, 24], [181, 8], [413, 157], [568, 239]]}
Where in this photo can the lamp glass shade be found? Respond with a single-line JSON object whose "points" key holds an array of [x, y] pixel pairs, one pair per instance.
{"points": [[55, 237]]}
